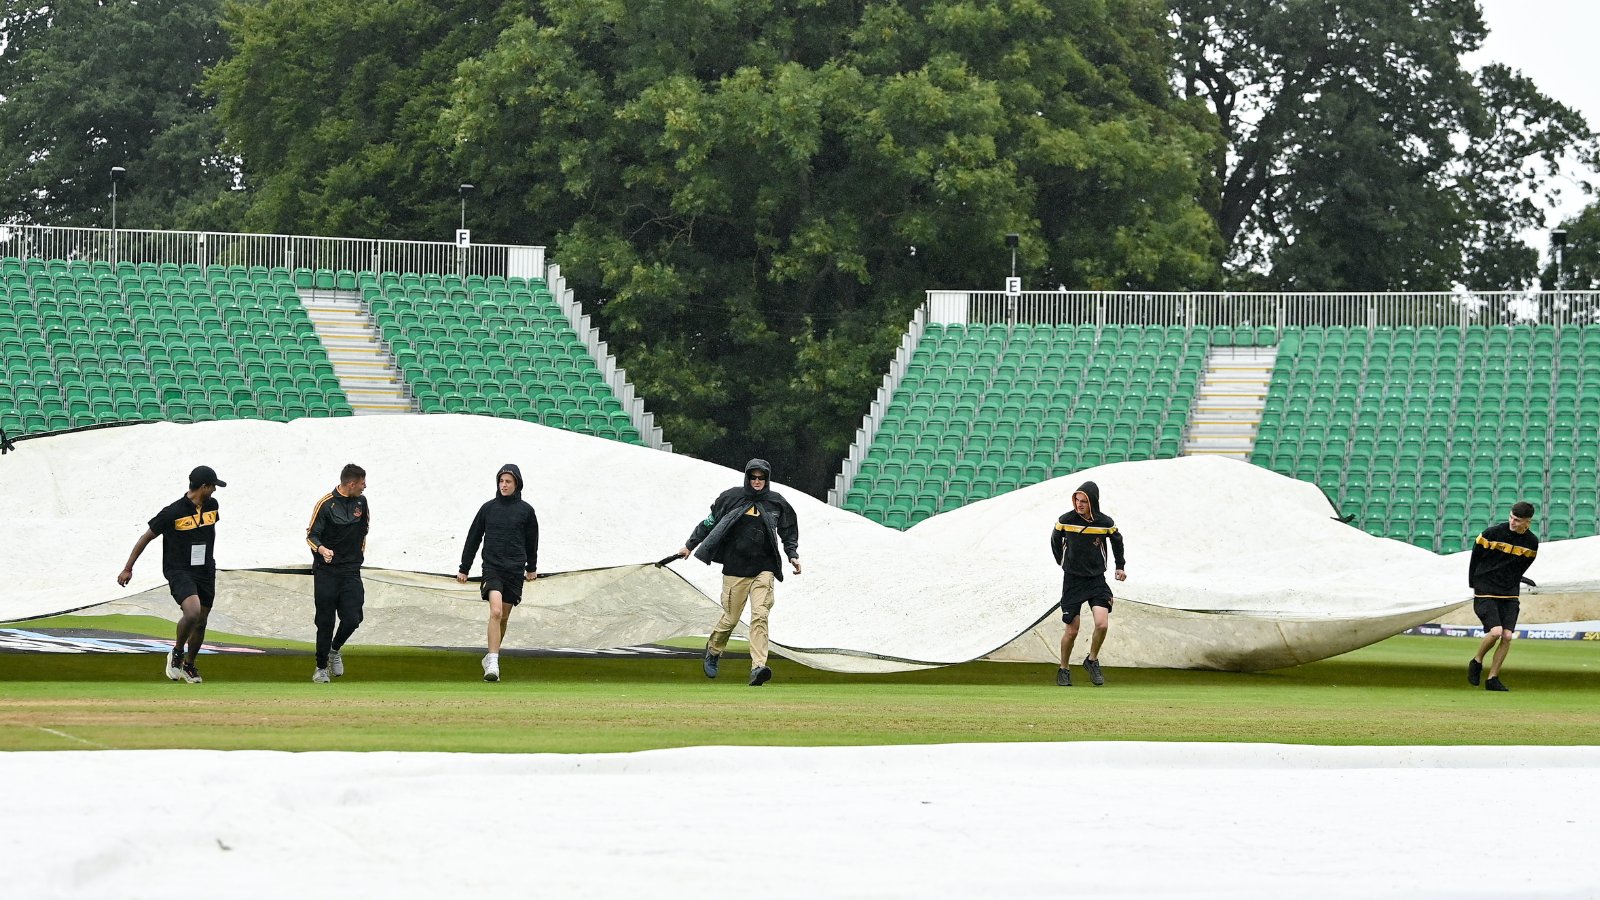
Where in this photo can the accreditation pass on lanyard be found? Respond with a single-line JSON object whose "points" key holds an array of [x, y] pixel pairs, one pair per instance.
{"points": [[197, 554]]}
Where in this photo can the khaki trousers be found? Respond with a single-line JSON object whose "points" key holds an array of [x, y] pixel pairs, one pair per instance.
{"points": [[735, 591]]}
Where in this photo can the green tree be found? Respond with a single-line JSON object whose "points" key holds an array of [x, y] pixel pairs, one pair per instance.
{"points": [[1361, 154], [85, 86], [333, 108], [753, 196]]}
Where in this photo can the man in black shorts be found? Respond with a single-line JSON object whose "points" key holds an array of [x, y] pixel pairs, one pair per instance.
{"points": [[1500, 556], [337, 536], [509, 532], [1079, 543], [188, 532]]}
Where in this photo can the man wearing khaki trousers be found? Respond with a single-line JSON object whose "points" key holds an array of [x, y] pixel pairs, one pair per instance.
{"points": [[748, 528]]}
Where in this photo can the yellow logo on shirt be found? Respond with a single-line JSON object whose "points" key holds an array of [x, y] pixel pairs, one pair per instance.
{"points": [[190, 523]]}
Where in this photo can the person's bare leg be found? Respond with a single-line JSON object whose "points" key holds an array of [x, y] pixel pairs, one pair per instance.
{"points": [[1068, 639], [1102, 623], [1500, 653], [1485, 645], [497, 621], [191, 627], [505, 619]]}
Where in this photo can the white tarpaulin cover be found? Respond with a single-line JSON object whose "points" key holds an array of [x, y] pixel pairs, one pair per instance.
{"points": [[1101, 820], [1229, 566]]}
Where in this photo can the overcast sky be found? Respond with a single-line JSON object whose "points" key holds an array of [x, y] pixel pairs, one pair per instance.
{"points": [[1552, 42]]}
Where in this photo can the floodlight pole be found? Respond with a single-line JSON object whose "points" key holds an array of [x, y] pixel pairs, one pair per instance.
{"points": [[116, 175], [1558, 249], [463, 190]]}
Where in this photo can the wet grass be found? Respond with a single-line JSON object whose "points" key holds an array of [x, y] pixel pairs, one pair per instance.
{"points": [[1407, 690]]}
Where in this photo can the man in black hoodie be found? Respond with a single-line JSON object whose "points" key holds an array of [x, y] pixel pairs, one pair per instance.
{"points": [[509, 532], [747, 529], [1079, 543], [337, 537], [1500, 556]]}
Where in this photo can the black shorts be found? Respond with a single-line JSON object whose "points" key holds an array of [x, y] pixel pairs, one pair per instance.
{"points": [[509, 584], [1494, 612], [185, 583], [1075, 592]]}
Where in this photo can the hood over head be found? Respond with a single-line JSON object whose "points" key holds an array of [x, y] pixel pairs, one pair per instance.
{"points": [[1092, 491], [752, 466], [516, 475]]}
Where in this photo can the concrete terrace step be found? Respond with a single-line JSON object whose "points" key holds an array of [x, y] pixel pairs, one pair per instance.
{"points": [[1232, 393], [360, 359], [378, 385]]}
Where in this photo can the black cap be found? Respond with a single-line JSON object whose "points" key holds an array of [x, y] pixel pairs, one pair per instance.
{"points": [[204, 475]]}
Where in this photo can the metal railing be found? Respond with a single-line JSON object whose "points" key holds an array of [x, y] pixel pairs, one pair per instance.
{"points": [[1268, 310], [215, 248], [868, 432], [616, 376]]}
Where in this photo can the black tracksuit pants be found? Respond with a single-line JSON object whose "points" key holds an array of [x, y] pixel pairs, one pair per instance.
{"points": [[338, 592]]}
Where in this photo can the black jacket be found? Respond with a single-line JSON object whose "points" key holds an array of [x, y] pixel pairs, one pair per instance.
{"points": [[708, 539], [1079, 543], [339, 523], [508, 529], [1499, 557]]}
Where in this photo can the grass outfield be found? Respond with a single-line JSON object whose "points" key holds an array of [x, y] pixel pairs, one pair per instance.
{"points": [[1406, 690]]}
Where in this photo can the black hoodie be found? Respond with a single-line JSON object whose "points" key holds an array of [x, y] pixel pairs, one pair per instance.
{"points": [[1079, 542], [1500, 557], [714, 539], [508, 530]]}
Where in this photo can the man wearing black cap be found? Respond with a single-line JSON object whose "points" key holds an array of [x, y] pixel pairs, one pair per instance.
{"points": [[1500, 556], [188, 532], [747, 529], [509, 532], [337, 537]]}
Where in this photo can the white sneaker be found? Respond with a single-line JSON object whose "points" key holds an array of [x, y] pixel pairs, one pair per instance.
{"points": [[335, 664], [321, 676], [174, 667], [491, 669]]}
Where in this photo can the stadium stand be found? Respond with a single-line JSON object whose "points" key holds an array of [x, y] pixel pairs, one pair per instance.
{"points": [[1427, 434], [1424, 434], [85, 343], [985, 409], [492, 346]]}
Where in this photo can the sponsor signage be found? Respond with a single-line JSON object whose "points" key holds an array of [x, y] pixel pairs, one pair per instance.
{"points": [[1475, 631], [22, 640]]}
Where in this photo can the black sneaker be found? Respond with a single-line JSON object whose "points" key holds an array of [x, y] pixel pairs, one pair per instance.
{"points": [[1474, 672], [760, 675], [1095, 677], [710, 663], [1493, 684], [192, 675], [1063, 678]]}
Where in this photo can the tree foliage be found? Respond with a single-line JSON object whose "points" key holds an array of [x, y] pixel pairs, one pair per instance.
{"points": [[333, 107], [85, 86], [1361, 154], [761, 192]]}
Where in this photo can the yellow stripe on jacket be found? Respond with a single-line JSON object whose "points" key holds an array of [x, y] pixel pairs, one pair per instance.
{"points": [[315, 510], [1504, 547], [1086, 529]]}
